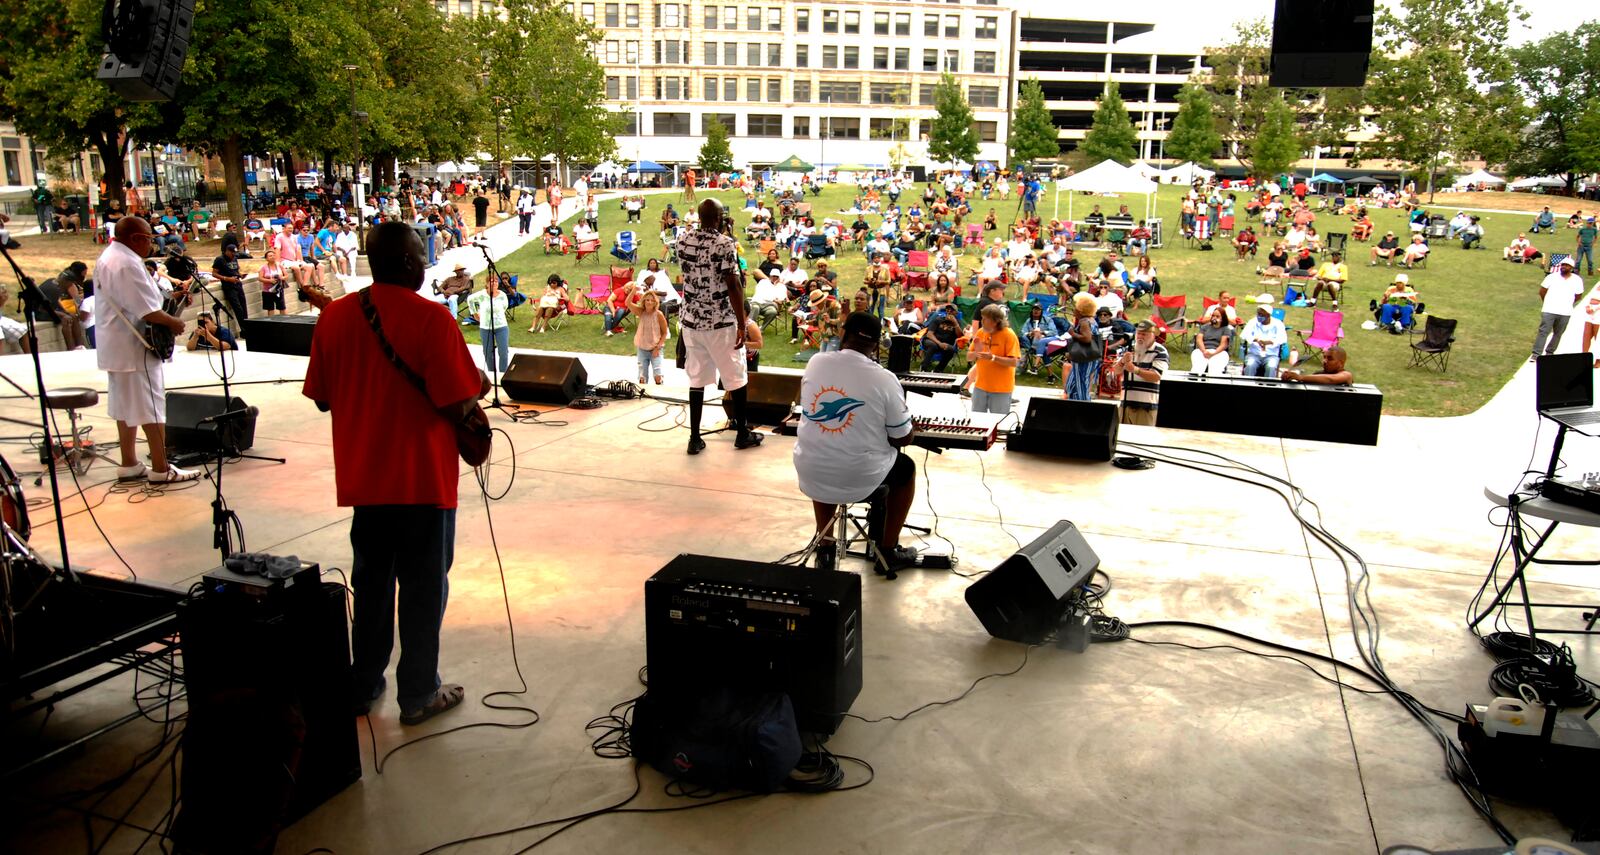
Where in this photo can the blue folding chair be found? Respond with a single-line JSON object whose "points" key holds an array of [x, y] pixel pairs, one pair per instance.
{"points": [[817, 247], [626, 248]]}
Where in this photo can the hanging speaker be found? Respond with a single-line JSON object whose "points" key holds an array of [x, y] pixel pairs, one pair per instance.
{"points": [[1317, 43], [147, 41], [1085, 430], [544, 379], [1023, 598]]}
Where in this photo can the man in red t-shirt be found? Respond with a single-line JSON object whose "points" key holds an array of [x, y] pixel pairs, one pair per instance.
{"points": [[395, 463]]}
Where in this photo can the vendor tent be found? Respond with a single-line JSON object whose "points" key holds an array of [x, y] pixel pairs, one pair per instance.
{"points": [[647, 166], [1537, 181], [1476, 177], [1324, 178], [1145, 170], [1185, 173], [792, 163], [1109, 177], [1363, 180]]}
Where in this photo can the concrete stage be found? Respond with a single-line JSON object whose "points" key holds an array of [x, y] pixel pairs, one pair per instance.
{"points": [[1127, 748]]}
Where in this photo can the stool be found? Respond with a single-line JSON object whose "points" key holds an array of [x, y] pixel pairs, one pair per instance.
{"points": [[78, 452], [855, 527]]}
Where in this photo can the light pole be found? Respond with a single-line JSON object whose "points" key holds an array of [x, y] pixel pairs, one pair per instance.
{"points": [[358, 196]]}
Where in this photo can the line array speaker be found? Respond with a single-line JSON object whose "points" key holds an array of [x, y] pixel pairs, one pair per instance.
{"points": [[1317, 43], [148, 42]]}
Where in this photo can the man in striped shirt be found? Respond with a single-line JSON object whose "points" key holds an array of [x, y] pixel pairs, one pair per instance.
{"points": [[1142, 366]]}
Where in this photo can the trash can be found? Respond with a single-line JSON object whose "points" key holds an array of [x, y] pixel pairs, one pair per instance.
{"points": [[425, 231]]}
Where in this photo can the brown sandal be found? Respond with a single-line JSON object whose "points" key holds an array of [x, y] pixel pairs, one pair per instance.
{"points": [[447, 698]]}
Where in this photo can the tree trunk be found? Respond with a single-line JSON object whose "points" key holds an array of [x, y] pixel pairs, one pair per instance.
{"points": [[115, 169], [233, 178]]}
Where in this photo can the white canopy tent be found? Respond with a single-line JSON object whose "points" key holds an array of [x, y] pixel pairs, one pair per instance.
{"points": [[1478, 176], [1146, 170], [1185, 173], [1533, 182], [1107, 177]]}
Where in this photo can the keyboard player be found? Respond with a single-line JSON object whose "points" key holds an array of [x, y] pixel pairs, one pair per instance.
{"points": [[854, 420]]}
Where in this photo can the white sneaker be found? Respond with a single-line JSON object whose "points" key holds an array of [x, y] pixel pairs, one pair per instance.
{"points": [[172, 475], [136, 472]]}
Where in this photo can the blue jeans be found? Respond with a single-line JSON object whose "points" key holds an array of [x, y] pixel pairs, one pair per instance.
{"points": [[1584, 252], [649, 364], [1261, 365], [613, 320], [1386, 315], [829, 344], [1080, 379], [493, 341], [414, 546], [998, 403]]}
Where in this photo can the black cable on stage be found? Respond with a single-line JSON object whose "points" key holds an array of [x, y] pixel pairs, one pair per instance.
{"points": [[983, 476], [946, 702], [927, 495]]}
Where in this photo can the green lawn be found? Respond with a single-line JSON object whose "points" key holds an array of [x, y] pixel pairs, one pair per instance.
{"points": [[1496, 303]]}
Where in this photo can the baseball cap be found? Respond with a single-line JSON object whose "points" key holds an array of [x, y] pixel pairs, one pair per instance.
{"points": [[1144, 326], [1567, 262], [1402, 279]]}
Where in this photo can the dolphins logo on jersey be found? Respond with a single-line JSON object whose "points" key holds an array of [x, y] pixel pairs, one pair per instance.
{"points": [[832, 410]]}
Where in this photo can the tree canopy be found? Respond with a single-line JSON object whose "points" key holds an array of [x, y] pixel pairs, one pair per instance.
{"points": [[1277, 143], [951, 137], [1111, 136], [716, 156], [1033, 132], [1194, 130], [1559, 77]]}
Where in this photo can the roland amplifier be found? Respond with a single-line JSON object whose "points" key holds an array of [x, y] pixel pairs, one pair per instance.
{"points": [[716, 622]]}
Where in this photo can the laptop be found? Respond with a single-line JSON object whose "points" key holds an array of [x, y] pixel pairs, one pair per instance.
{"points": [[1564, 390]]}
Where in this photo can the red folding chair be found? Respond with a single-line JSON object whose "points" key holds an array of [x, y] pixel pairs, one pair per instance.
{"points": [[1171, 325], [588, 248], [916, 269]]}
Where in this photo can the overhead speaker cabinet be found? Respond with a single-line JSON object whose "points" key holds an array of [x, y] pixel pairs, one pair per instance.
{"points": [[1317, 43], [544, 379], [1023, 598], [1084, 430]]}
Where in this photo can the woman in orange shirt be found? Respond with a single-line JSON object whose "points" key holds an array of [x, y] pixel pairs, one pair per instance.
{"points": [[994, 354]]}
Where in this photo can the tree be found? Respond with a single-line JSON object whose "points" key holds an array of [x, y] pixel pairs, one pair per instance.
{"points": [[49, 50], [952, 136], [1111, 136], [716, 157], [1033, 132], [1194, 131], [1277, 143], [1439, 82], [1559, 76], [550, 87]]}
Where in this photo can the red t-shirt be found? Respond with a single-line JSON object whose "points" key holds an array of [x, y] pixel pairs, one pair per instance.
{"points": [[390, 446]]}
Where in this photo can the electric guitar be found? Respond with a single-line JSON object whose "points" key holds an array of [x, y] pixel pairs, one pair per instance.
{"points": [[157, 338], [314, 295]]}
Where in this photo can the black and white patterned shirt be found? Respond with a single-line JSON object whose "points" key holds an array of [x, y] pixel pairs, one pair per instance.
{"points": [[707, 258]]}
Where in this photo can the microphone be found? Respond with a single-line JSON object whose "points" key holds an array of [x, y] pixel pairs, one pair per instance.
{"points": [[230, 415]]}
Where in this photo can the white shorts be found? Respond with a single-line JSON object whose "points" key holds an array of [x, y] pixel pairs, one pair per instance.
{"points": [[137, 397], [709, 354], [12, 329]]}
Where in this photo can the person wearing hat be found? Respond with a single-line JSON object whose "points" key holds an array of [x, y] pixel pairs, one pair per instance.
{"points": [[908, 320], [1416, 252], [1458, 224], [1560, 291], [853, 422], [1521, 251], [1398, 305], [1586, 235], [1142, 366], [1387, 246], [454, 287], [1472, 235], [1264, 339]]}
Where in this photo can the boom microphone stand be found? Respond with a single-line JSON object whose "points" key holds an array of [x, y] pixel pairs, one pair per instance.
{"points": [[494, 363]]}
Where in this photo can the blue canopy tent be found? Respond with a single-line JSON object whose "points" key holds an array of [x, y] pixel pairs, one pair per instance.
{"points": [[649, 166], [1324, 183]]}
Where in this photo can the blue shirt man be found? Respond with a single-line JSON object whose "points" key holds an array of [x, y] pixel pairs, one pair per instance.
{"points": [[323, 245], [1264, 338]]}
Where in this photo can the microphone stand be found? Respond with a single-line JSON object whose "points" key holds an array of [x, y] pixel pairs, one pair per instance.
{"points": [[227, 394], [492, 360], [33, 301]]}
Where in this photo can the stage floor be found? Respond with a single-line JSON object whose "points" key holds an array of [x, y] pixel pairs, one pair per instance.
{"points": [[1126, 748]]}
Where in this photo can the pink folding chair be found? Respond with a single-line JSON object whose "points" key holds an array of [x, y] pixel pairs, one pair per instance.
{"points": [[599, 290], [974, 236], [1327, 329]]}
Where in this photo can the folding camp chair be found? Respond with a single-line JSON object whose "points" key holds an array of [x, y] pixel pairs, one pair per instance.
{"points": [[916, 269], [1169, 317], [1434, 347], [599, 290], [1336, 242], [587, 248], [1327, 329], [627, 247], [817, 247]]}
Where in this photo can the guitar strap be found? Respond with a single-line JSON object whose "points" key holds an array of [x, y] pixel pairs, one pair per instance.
{"points": [[370, 311]]}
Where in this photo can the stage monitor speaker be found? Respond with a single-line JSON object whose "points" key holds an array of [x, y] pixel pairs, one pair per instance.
{"points": [[1317, 43], [185, 433], [544, 379], [1023, 598], [900, 349], [148, 40], [1085, 430], [270, 734], [771, 397], [286, 334]]}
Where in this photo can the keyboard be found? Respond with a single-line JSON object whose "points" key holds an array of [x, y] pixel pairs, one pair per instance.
{"points": [[940, 433], [927, 382]]}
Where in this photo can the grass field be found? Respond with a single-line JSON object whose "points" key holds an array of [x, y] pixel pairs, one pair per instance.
{"points": [[1496, 303]]}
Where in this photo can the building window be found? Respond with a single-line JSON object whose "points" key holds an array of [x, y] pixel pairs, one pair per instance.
{"points": [[838, 92], [613, 13], [880, 59], [987, 28], [880, 23], [711, 89], [830, 56], [730, 17], [930, 26], [587, 10], [752, 54], [802, 91], [852, 56], [711, 53], [669, 88], [713, 17], [443, 6], [888, 129], [752, 89], [672, 124], [930, 59], [830, 20], [775, 89], [887, 93], [613, 51], [632, 85], [669, 15], [952, 26], [802, 20], [852, 23], [839, 128], [630, 52], [988, 131], [925, 94], [983, 96], [630, 124], [983, 61], [802, 56], [465, 7], [902, 59], [730, 88], [671, 52], [952, 61], [902, 23], [630, 16], [613, 88], [752, 17], [730, 53], [763, 126], [774, 20], [728, 121], [775, 55], [802, 127]]}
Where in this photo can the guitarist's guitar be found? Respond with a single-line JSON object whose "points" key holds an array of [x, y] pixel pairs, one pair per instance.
{"points": [[314, 295], [160, 340]]}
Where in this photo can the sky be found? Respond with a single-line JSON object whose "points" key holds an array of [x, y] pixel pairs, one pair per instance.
{"points": [[1214, 24]]}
